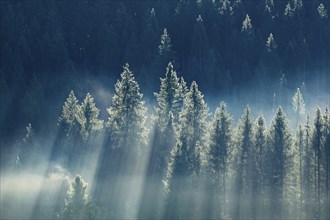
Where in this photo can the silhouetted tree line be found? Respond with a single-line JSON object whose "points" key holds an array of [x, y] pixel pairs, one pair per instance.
{"points": [[182, 163], [47, 45]]}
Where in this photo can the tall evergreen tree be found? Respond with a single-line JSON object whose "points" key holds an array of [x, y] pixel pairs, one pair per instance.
{"points": [[317, 143], [68, 133], [168, 98], [298, 105], [184, 168], [326, 133], [77, 204], [126, 122], [244, 162], [217, 156], [280, 143], [87, 116], [259, 166]]}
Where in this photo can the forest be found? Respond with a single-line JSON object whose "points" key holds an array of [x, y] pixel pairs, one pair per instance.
{"points": [[181, 109]]}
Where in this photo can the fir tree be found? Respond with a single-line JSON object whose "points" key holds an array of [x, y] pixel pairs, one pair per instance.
{"points": [[168, 98], [87, 116], [317, 142], [184, 167], [298, 105], [77, 204], [217, 156], [259, 165], [280, 143], [244, 155], [68, 119], [126, 122], [270, 43]]}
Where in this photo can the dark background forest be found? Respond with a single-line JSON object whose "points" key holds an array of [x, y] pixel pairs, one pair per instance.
{"points": [[254, 55]]}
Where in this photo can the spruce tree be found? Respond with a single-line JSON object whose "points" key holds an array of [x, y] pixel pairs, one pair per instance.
{"points": [[217, 155], [68, 134], [168, 98], [298, 105], [280, 143], [68, 119], [87, 116], [78, 205], [244, 162], [259, 165], [126, 122], [185, 163], [317, 143]]}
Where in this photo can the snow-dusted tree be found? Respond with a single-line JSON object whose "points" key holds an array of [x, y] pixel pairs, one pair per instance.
{"points": [[168, 98], [307, 171], [244, 161], [87, 116], [77, 204], [280, 143], [246, 25], [217, 158], [68, 120], [298, 105], [162, 140], [259, 165], [326, 133], [126, 122], [166, 54], [270, 43], [184, 167], [68, 131], [323, 13], [29, 151], [317, 145], [300, 148], [183, 91]]}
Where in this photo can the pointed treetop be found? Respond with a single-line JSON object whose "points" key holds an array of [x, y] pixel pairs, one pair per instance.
{"points": [[165, 42], [270, 43], [246, 25], [323, 13], [288, 11], [298, 103], [152, 12], [199, 19]]}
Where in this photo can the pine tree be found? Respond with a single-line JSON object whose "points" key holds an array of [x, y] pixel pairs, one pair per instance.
{"points": [[166, 53], [87, 116], [217, 156], [270, 43], [168, 98], [259, 165], [243, 172], [246, 25], [300, 148], [68, 119], [326, 133], [298, 105], [317, 147], [68, 134], [126, 122], [29, 152], [280, 143], [185, 163], [77, 204], [307, 173]]}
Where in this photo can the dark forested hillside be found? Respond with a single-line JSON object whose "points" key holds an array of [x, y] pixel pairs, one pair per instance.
{"points": [[203, 109]]}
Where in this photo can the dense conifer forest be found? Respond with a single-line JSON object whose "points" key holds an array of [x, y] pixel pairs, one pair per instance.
{"points": [[200, 109]]}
